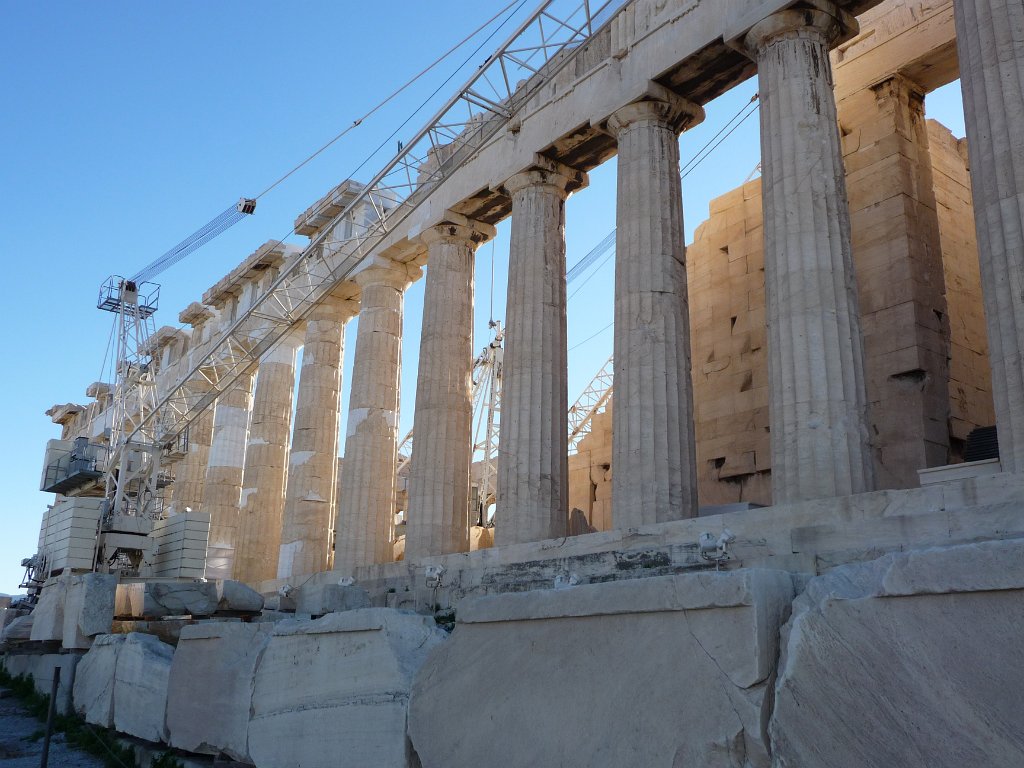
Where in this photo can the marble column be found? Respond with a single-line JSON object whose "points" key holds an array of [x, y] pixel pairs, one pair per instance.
{"points": [[653, 453], [990, 41], [365, 522], [818, 406], [309, 497], [438, 514], [223, 489], [533, 472], [261, 510], [190, 475]]}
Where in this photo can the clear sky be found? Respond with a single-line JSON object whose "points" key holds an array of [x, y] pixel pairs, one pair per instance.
{"points": [[126, 126]]}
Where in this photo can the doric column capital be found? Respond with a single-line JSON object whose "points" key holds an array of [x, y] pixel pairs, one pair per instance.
{"points": [[462, 231], [899, 86], [379, 271], [675, 113], [195, 314], [821, 17], [537, 178], [335, 308], [283, 350], [545, 172]]}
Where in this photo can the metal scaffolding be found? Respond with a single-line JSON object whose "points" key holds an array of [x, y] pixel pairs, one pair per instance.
{"points": [[536, 51]]}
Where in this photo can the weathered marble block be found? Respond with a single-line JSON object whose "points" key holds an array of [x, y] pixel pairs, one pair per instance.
{"points": [[153, 599], [121, 683], [912, 660], [333, 693], [94, 681], [220, 659], [316, 599], [236, 597], [88, 609], [48, 615], [16, 626], [666, 671]]}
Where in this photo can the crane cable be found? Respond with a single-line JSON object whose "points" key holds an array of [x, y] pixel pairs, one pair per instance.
{"points": [[193, 242], [702, 154], [394, 93], [235, 213]]}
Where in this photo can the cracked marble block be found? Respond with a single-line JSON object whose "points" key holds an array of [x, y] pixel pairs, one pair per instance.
{"points": [[333, 693], [666, 671], [222, 658], [121, 683], [911, 660]]}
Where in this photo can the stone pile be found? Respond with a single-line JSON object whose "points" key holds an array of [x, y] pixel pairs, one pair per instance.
{"points": [[906, 660]]}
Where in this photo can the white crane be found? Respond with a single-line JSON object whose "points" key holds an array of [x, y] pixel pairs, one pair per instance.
{"points": [[540, 47], [125, 471]]}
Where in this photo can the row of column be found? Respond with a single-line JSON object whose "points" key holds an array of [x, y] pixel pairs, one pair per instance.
{"points": [[269, 482], [818, 406]]}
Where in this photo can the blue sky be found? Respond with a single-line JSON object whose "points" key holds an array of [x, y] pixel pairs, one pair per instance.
{"points": [[126, 126]]}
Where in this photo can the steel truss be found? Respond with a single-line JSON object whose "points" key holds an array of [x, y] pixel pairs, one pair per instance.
{"points": [[132, 470], [533, 54], [593, 400]]}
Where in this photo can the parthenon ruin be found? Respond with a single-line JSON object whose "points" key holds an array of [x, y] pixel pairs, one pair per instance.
{"points": [[758, 553]]}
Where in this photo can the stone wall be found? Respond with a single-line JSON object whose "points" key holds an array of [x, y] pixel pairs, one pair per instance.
{"points": [[908, 659], [725, 267], [918, 309], [970, 376], [590, 477]]}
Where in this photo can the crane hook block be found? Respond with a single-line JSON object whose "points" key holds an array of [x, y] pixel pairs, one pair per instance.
{"points": [[246, 205]]}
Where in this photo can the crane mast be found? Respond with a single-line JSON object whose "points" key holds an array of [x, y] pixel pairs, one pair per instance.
{"points": [[146, 423], [133, 485]]}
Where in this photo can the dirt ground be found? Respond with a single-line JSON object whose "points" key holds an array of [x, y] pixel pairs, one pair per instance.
{"points": [[21, 742]]}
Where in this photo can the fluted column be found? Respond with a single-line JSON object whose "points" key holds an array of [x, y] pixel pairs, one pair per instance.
{"points": [[990, 41], [266, 462], [309, 496], [654, 474], [224, 467], [818, 401], [190, 474], [533, 470], [438, 514], [365, 521]]}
